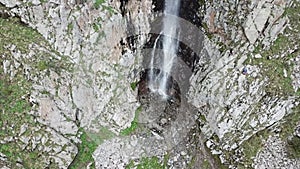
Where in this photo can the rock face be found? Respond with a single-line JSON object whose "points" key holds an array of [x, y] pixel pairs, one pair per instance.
{"points": [[95, 91], [82, 61], [72, 30], [238, 103]]}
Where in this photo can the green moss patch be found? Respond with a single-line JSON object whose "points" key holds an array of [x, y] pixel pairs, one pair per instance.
{"points": [[15, 92], [85, 151], [287, 133], [253, 145], [149, 163], [133, 85], [274, 68], [134, 123]]}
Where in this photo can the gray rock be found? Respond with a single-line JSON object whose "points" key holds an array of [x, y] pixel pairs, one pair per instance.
{"points": [[297, 131], [274, 155], [296, 74], [261, 17], [11, 3], [250, 30]]}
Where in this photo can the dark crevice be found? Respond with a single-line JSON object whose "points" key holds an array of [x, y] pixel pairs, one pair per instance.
{"points": [[123, 7], [158, 5]]}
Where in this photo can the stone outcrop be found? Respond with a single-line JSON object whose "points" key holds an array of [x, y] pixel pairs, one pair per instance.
{"points": [[95, 51]]}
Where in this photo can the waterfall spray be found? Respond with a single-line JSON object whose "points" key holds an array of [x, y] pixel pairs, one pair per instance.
{"points": [[152, 77], [170, 47]]}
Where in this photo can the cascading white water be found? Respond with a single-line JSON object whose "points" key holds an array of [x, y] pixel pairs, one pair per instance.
{"points": [[152, 77], [170, 47]]}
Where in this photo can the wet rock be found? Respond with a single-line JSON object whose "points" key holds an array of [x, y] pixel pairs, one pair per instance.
{"points": [[173, 90]]}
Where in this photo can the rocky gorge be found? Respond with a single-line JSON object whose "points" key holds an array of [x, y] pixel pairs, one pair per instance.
{"points": [[73, 90]]}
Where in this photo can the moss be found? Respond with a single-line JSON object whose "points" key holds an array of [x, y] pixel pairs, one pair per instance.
{"points": [[102, 135], [252, 146], [42, 65], [27, 158], [85, 151], [110, 9], [130, 165], [273, 68], [134, 123], [70, 28], [12, 32], [205, 164], [290, 123], [14, 110], [293, 147], [287, 133], [96, 27], [13, 105], [149, 163], [15, 92], [98, 3], [133, 85]]}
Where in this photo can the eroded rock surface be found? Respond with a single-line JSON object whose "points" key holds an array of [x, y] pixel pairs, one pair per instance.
{"points": [[84, 68]]}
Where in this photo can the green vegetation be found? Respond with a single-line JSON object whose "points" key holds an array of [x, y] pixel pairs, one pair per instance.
{"points": [[97, 24], [293, 147], [98, 3], [287, 133], [14, 107], [89, 143], [134, 123], [42, 65], [16, 37], [70, 28], [102, 135], [290, 123], [12, 32], [274, 68], [85, 151], [255, 143], [205, 164], [14, 96], [149, 163], [133, 85], [252, 146]]}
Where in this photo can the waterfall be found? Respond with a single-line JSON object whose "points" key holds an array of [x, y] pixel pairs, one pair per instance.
{"points": [[170, 47], [152, 77]]}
